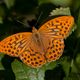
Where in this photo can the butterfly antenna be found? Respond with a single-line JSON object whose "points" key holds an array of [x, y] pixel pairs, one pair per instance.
{"points": [[21, 22], [36, 21], [39, 18]]}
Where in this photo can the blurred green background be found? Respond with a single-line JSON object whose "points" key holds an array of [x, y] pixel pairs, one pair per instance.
{"points": [[19, 16]]}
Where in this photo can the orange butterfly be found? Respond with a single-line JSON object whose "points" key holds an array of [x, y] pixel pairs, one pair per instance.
{"points": [[39, 46]]}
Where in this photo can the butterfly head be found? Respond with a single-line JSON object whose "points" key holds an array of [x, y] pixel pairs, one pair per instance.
{"points": [[34, 30]]}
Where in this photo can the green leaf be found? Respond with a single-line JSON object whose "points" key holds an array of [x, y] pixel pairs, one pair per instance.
{"points": [[66, 65], [43, 1], [78, 25], [61, 11], [9, 3], [1, 66], [1, 20], [50, 65], [74, 74], [63, 3], [75, 5], [23, 72], [2, 14], [74, 69], [78, 58]]}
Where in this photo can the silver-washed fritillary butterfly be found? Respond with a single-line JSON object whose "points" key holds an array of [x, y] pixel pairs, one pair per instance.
{"points": [[39, 46]]}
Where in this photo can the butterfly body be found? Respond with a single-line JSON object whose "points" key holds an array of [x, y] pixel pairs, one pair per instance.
{"points": [[36, 37], [40, 46]]}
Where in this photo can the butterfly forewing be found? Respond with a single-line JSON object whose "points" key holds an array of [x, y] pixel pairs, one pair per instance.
{"points": [[15, 44], [58, 27]]}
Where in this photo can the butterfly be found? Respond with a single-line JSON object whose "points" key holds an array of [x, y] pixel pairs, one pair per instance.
{"points": [[40, 46]]}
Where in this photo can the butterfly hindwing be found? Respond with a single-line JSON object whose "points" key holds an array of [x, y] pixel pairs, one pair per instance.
{"points": [[54, 49], [33, 56]]}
